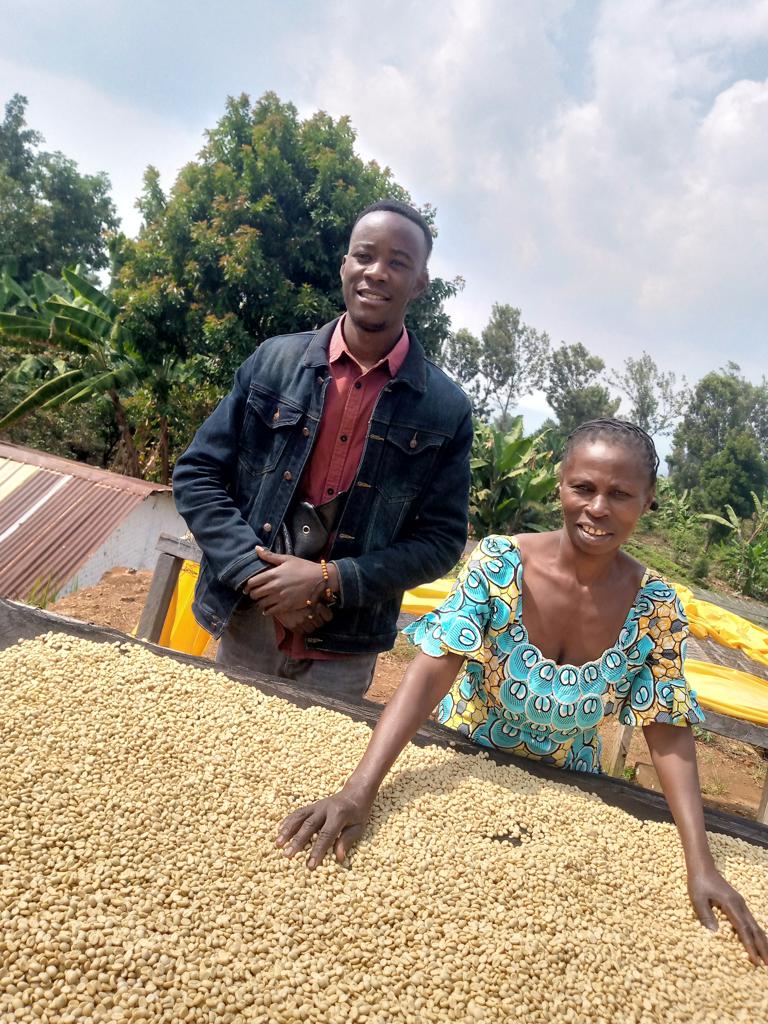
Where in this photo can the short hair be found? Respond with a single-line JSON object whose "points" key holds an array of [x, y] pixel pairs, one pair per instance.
{"points": [[395, 206], [617, 432]]}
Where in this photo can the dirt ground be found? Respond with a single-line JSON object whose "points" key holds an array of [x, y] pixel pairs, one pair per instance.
{"points": [[732, 773]]}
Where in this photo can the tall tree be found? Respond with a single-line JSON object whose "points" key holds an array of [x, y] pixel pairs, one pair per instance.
{"points": [[507, 362], [574, 389], [732, 475], [725, 411], [249, 241], [656, 399], [51, 215]]}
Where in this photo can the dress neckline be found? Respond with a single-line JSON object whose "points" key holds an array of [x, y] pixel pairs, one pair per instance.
{"points": [[645, 580]]}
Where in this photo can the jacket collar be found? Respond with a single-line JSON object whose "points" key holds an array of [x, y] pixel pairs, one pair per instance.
{"points": [[413, 372]]}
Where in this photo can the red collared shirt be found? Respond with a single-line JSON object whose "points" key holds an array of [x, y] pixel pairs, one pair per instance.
{"points": [[350, 397]]}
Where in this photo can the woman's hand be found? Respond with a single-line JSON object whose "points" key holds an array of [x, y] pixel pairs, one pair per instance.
{"points": [[338, 822], [707, 888], [287, 586]]}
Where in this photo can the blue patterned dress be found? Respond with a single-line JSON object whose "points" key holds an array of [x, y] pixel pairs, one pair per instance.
{"points": [[510, 697]]}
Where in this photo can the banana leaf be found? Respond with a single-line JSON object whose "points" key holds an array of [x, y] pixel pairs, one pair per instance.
{"points": [[43, 397], [87, 291]]}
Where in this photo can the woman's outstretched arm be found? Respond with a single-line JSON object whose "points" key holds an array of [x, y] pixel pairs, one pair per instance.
{"points": [[673, 754], [339, 820]]}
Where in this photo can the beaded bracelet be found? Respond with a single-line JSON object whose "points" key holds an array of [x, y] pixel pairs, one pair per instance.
{"points": [[328, 595]]}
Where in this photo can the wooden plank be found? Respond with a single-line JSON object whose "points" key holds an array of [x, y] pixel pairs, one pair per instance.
{"points": [[762, 811], [181, 547], [616, 757], [18, 621], [159, 598], [735, 729]]}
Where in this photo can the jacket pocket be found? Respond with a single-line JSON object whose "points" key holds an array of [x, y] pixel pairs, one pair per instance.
{"points": [[270, 422], [406, 462]]}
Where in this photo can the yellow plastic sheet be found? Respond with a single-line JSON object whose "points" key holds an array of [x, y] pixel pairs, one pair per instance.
{"points": [[728, 691], [728, 629], [723, 690]]}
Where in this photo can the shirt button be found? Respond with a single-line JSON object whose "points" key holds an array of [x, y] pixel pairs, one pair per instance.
{"points": [[267, 527], [331, 490], [343, 437], [305, 431], [287, 475], [358, 385]]}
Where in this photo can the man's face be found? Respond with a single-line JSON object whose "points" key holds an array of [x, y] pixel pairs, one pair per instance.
{"points": [[383, 271]]}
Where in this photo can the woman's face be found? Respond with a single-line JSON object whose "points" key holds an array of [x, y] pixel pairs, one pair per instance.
{"points": [[604, 489]]}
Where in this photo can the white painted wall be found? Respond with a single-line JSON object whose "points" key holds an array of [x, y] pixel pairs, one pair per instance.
{"points": [[133, 543]]}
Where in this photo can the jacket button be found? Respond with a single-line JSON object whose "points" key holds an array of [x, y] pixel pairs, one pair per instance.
{"points": [[414, 443], [277, 415], [267, 527], [305, 431], [287, 475]]}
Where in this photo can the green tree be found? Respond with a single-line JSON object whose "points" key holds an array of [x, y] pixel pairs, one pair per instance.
{"points": [[725, 420], [656, 400], [461, 356], [80, 353], [574, 389], [507, 362], [51, 215], [249, 241], [731, 475]]}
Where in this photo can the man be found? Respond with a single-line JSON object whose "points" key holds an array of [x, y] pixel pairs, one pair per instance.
{"points": [[355, 421]]}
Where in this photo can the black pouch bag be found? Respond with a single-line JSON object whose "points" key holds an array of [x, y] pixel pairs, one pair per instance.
{"points": [[307, 528]]}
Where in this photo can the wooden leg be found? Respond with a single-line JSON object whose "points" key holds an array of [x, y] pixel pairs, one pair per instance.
{"points": [[615, 757], [159, 598], [762, 813]]}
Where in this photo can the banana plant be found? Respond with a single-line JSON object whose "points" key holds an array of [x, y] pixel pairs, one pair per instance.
{"points": [[80, 322], [749, 544], [512, 475]]}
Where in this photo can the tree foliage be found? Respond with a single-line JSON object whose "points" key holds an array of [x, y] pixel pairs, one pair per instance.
{"points": [[512, 476], [656, 399], [747, 546], [51, 215], [721, 445], [76, 351], [249, 242], [507, 362], [574, 389]]}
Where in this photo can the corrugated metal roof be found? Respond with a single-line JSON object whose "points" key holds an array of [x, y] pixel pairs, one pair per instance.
{"points": [[54, 514]]}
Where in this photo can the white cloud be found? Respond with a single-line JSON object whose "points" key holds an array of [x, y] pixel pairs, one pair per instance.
{"points": [[657, 185], [101, 133], [609, 175]]}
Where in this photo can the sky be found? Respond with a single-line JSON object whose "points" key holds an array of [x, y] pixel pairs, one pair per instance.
{"points": [[601, 165]]}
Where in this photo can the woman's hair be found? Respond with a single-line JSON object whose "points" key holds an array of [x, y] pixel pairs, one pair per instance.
{"points": [[617, 432]]}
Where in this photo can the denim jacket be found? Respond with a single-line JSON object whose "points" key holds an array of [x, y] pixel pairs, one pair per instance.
{"points": [[404, 522]]}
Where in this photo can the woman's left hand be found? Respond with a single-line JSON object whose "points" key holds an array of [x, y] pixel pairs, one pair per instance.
{"points": [[707, 889]]}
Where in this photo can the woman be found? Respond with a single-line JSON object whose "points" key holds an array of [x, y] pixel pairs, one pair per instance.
{"points": [[543, 636]]}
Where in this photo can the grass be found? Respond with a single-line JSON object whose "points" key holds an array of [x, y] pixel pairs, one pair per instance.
{"points": [[403, 651], [703, 735], [714, 787], [660, 561], [43, 592]]}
